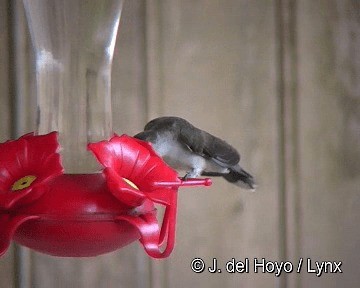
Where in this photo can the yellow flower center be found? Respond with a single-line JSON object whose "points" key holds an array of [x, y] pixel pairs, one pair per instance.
{"points": [[131, 183], [23, 182]]}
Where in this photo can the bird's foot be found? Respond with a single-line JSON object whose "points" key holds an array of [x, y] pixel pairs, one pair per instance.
{"points": [[192, 174]]}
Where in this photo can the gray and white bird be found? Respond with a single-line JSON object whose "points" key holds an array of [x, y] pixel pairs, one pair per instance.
{"points": [[187, 148]]}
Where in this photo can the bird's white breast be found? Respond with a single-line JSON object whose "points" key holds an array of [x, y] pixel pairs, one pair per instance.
{"points": [[177, 155], [182, 158]]}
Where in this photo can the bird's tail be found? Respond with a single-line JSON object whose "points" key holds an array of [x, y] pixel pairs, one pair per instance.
{"points": [[237, 176], [241, 178]]}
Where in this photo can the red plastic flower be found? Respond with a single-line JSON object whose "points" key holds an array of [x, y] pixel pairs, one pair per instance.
{"points": [[25, 165], [135, 172], [126, 158]]}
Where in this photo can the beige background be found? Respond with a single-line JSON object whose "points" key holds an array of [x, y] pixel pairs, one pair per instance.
{"points": [[280, 80]]}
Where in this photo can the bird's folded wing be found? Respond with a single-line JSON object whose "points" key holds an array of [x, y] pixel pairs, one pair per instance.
{"points": [[210, 146]]}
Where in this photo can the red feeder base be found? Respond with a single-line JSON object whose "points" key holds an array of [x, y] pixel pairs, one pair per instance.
{"points": [[80, 215]]}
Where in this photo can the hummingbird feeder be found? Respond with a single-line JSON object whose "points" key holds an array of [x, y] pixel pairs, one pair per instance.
{"points": [[82, 212]]}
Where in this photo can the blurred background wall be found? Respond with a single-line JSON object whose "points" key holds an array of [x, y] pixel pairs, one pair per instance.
{"points": [[280, 80]]}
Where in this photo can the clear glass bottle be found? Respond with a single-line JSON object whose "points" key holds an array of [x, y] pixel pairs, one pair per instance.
{"points": [[74, 44]]}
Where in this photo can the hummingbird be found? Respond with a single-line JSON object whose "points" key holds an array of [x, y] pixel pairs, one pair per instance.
{"points": [[185, 147]]}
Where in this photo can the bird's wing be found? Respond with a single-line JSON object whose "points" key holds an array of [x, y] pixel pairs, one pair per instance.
{"points": [[205, 144], [192, 138], [221, 152]]}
